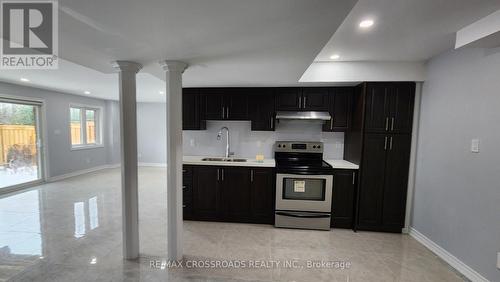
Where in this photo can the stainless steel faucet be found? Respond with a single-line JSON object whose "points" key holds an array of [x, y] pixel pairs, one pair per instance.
{"points": [[219, 136]]}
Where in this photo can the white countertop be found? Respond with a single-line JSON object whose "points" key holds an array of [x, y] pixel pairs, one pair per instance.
{"points": [[342, 164], [196, 160]]}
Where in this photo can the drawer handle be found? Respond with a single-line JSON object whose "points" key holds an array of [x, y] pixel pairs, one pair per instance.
{"points": [[184, 187], [184, 171], [184, 206]]}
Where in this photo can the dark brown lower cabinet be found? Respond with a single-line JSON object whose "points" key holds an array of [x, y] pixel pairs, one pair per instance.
{"points": [[383, 182], [344, 188], [232, 194]]}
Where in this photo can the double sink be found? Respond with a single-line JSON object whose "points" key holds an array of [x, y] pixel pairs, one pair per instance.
{"points": [[224, 160]]}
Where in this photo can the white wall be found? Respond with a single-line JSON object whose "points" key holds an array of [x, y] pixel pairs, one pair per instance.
{"points": [[61, 159], [247, 143], [152, 133], [457, 193]]}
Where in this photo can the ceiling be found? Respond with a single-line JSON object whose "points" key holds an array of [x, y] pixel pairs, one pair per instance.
{"points": [[403, 30], [240, 42]]}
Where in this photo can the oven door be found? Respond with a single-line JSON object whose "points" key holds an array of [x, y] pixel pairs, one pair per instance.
{"points": [[295, 192]]}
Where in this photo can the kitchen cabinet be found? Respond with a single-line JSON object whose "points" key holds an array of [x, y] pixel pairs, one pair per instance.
{"points": [[302, 99], [344, 187], [262, 182], [339, 106], [389, 107], [207, 202], [261, 109], [225, 103], [187, 192], [192, 114], [288, 99], [232, 194], [236, 194], [384, 181], [315, 99]]}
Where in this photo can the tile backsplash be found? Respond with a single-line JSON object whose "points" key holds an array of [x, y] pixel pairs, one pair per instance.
{"points": [[247, 143]]}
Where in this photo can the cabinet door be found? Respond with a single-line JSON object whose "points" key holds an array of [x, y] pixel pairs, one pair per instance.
{"points": [[288, 99], [372, 181], [236, 194], [214, 103], [206, 193], [192, 114], [396, 181], [340, 109], [236, 105], [377, 107], [402, 100], [343, 198], [261, 110], [315, 99], [263, 193]]}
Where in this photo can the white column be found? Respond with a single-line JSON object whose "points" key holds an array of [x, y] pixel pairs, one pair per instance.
{"points": [[128, 141], [174, 72]]}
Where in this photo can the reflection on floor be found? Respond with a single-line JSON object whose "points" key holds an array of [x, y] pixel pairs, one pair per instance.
{"points": [[71, 231]]}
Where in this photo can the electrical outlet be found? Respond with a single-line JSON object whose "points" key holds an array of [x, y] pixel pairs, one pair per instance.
{"points": [[498, 260], [474, 147]]}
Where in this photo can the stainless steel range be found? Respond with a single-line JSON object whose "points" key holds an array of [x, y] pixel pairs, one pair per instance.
{"points": [[304, 184]]}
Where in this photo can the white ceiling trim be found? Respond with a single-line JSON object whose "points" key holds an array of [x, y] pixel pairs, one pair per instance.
{"points": [[364, 71], [486, 30]]}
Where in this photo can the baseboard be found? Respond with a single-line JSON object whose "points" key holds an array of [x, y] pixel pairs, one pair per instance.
{"points": [[459, 265], [80, 172], [153, 164]]}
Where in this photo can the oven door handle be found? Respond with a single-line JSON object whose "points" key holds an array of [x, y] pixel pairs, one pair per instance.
{"points": [[303, 215]]}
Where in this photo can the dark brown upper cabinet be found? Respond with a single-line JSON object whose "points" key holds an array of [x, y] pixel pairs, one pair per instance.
{"points": [[288, 99], [315, 99], [261, 109], [339, 106], [302, 99], [389, 107], [192, 114], [225, 103]]}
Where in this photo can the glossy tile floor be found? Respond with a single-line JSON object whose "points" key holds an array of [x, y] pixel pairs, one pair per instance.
{"points": [[71, 231]]}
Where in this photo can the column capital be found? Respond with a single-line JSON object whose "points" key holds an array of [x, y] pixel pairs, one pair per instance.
{"points": [[172, 66], [126, 66]]}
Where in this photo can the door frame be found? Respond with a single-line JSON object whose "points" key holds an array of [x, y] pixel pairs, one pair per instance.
{"points": [[41, 123]]}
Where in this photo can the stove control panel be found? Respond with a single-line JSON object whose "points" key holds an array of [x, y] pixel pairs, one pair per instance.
{"points": [[298, 147]]}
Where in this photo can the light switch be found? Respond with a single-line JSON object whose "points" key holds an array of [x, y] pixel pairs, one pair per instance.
{"points": [[474, 147]]}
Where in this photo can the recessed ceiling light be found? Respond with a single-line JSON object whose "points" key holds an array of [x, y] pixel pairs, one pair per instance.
{"points": [[334, 57], [162, 92], [366, 23], [24, 79], [86, 92]]}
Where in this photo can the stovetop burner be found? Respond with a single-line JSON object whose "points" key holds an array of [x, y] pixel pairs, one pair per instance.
{"points": [[301, 158]]}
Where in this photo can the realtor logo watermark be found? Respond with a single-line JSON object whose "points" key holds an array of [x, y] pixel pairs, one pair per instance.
{"points": [[29, 35]]}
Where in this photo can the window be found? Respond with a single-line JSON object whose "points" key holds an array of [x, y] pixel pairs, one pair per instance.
{"points": [[84, 127]]}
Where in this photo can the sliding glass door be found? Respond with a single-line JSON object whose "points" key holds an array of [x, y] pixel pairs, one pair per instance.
{"points": [[20, 143]]}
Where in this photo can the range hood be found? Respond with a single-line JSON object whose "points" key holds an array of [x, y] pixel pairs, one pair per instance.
{"points": [[303, 115]]}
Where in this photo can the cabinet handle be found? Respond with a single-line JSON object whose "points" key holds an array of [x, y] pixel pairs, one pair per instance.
{"points": [[222, 174], [223, 112], [183, 187], [251, 175], [392, 124], [353, 177], [184, 171], [272, 122], [227, 112], [331, 124], [300, 102], [218, 172], [183, 206], [390, 144], [386, 123], [385, 144], [304, 102]]}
